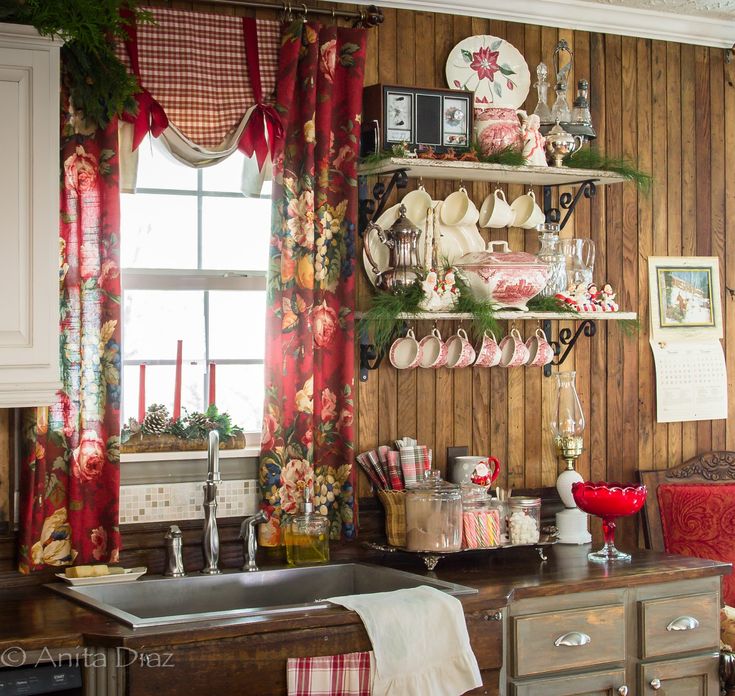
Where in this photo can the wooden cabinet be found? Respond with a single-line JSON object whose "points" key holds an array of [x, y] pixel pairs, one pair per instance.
{"points": [[256, 664], [29, 225], [644, 640]]}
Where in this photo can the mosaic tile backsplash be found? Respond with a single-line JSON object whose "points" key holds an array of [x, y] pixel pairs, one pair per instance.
{"points": [[183, 501]]}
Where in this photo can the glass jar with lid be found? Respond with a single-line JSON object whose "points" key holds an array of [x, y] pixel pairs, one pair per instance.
{"points": [[524, 521], [434, 516], [480, 519]]}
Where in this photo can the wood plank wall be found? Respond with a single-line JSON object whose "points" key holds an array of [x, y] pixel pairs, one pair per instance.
{"points": [[671, 108]]}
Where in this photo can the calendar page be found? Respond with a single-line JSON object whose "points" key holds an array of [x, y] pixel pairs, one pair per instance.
{"points": [[691, 381]]}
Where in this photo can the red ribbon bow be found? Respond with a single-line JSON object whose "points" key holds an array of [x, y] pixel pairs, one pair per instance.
{"points": [[151, 118], [253, 138], [264, 116]]}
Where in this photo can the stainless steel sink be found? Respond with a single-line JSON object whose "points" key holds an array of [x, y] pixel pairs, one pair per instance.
{"points": [[160, 601]]}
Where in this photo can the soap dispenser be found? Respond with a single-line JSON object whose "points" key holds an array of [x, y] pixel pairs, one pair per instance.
{"points": [[307, 539]]}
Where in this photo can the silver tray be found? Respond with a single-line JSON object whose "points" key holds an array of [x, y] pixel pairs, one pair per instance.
{"points": [[432, 558]]}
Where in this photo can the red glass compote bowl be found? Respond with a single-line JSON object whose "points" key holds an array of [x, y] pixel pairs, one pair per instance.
{"points": [[608, 501]]}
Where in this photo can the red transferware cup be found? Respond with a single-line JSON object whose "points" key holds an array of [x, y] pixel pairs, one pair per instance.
{"points": [[609, 501]]}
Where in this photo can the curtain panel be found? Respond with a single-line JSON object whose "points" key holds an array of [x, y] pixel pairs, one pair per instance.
{"points": [[69, 472], [307, 439], [207, 88]]}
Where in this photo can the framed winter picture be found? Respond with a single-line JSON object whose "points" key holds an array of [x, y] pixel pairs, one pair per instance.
{"points": [[685, 296]]}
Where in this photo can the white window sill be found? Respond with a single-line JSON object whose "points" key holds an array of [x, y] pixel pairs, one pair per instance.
{"points": [[249, 451]]}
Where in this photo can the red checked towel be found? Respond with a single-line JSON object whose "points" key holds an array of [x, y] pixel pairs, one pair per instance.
{"points": [[335, 675]]}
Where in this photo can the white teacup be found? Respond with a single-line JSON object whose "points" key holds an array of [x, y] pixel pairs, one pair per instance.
{"points": [[405, 352], [458, 209], [495, 211], [417, 204], [526, 211]]}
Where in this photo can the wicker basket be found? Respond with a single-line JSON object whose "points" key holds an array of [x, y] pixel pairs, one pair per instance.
{"points": [[394, 503]]}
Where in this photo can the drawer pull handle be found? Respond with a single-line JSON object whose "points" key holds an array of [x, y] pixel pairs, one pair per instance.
{"points": [[683, 623], [623, 690], [573, 640], [656, 684]]}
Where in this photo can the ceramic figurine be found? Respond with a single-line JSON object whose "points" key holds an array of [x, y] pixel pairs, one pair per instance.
{"points": [[534, 143], [607, 299], [440, 291]]}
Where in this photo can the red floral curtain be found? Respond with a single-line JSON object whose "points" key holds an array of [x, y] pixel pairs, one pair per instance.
{"points": [[70, 473], [309, 365]]}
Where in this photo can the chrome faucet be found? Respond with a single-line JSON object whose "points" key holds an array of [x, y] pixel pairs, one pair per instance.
{"points": [[211, 534], [174, 553], [247, 534]]}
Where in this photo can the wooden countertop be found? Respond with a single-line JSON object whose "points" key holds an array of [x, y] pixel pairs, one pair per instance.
{"points": [[35, 618]]}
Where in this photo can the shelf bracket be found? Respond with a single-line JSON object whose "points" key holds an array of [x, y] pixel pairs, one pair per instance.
{"points": [[371, 208], [567, 339], [567, 202], [370, 358]]}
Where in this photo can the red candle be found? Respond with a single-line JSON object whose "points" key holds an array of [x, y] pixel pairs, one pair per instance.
{"points": [[177, 387], [212, 383], [141, 395]]}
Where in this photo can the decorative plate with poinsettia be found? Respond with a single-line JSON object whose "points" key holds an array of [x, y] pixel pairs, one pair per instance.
{"points": [[491, 68]]}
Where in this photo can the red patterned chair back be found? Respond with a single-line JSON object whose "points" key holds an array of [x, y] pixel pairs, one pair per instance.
{"points": [[691, 510]]}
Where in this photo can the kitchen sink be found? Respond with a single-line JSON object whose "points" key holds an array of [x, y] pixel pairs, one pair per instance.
{"points": [[159, 601]]}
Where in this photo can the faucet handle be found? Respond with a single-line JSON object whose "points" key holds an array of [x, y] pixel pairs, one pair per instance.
{"points": [[247, 533]]}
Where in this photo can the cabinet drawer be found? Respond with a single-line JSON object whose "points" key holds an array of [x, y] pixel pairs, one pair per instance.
{"points": [[688, 676], [605, 683], [558, 640], [679, 624]]}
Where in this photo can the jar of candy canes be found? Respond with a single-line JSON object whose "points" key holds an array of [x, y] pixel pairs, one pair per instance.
{"points": [[524, 521], [480, 519]]}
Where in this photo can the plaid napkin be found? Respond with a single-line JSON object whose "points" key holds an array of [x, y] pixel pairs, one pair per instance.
{"points": [[414, 461], [394, 470], [335, 675]]}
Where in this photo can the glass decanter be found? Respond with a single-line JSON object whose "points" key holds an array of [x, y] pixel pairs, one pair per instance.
{"points": [[581, 112], [560, 111], [542, 109], [551, 254]]}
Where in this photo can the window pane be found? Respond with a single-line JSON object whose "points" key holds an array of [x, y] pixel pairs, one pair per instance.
{"points": [[236, 233], [158, 231], [159, 387], [155, 319], [157, 168], [236, 325], [240, 393], [225, 176]]}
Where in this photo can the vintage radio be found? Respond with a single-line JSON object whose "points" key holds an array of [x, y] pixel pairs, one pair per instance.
{"points": [[422, 118]]}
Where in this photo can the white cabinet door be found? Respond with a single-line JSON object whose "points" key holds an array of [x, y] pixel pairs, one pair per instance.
{"points": [[29, 218]]}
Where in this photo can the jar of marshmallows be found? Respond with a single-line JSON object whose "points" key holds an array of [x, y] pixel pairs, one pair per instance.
{"points": [[524, 520]]}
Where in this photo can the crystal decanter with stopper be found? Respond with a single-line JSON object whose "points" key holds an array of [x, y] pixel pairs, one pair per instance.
{"points": [[568, 429], [550, 254], [542, 109], [581, 116]]}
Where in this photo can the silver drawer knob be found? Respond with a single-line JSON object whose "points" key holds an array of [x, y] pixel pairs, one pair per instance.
{"points": [[656, 684], [573, 639], [683, 623], [623, 690]]}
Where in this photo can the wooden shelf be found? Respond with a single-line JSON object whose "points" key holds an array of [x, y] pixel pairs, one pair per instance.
{"points": [[494, 173], [518, 316]]}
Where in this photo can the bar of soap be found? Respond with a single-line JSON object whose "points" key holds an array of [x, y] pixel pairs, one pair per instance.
{"points": [[93, 571]]}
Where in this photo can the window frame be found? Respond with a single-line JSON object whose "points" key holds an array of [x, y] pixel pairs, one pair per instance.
{"points": [[193, 279]]}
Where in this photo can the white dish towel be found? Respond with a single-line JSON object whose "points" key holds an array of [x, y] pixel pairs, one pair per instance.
{"points": [[420, 642]]}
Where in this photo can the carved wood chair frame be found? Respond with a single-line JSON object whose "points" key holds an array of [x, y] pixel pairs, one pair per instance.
{"points": [[711, 467]]}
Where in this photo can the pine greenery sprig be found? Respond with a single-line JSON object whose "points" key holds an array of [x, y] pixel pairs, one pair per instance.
{"points": [[550, 304], [592, 158], [382, 318], [98, 83], [482, 311]]}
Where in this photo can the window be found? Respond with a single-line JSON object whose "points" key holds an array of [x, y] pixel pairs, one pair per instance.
{"points": [[194, 259]]}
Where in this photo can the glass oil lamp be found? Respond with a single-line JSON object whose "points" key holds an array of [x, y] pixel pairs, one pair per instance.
{"points": [[568, 430]]}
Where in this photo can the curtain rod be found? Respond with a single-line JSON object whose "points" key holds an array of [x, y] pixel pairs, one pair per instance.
{"points": [[371, 16]]}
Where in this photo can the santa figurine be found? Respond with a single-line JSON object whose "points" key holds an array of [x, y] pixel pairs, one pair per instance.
{"points": [[481, 476], [607, 299]]}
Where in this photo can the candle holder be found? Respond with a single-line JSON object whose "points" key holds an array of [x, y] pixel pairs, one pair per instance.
{"points": [[568, 428]]}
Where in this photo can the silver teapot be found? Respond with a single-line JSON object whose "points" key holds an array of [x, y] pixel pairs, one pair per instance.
{"points": [[559, 144], [402, 240]]}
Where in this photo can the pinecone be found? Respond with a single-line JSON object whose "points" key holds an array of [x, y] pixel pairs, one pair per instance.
{"points": [[199, 425], [156, 420]]}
